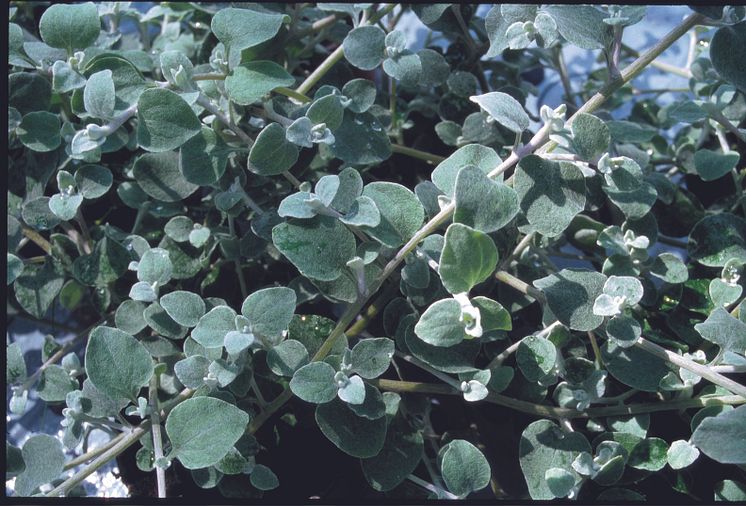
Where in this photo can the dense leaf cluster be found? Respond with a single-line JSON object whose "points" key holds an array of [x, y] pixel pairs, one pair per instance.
{"points": [[242, 203]]}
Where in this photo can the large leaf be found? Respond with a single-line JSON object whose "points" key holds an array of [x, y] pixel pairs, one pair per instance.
{"points": [[504, 109], [159, 176], [570, 295], [70, 27], [481, 203], [239, 29], [400, 455], [272, 153], [723, 437], [251, 81], [37, 287], [165, 120], [202, 430], [718, 238], [270, 310], [400, 210], [728, 52], [44, 459], [464, 468], [581, 25], [725, 330], [445, 174], [468, 258], [344, 428]]}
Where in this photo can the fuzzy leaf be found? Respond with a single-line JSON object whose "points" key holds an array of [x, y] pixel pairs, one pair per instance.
{"points": [[250, 81], [468, 258], [481, 203]]}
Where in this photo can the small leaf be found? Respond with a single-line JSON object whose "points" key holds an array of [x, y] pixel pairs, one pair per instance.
{"points": [[15, 268], [581, 25], [263, 478], [40, 131], [550, 193], [129, 316], [314, 383], [504, 109], [250, 81], [353, 391], [650, 454], [70, 26], [270, 310], [185, 308], [93, 181], [159, 176], [272, 153], [371, 357], [669, 268], [36, 288], [445, 174], [117, 364], [724, 330], [44, 459], [202, 430], [213, 326], [718, 238], [365, 47], [15, 365], [155, 266], [287, 357], [464, 468], [468, 258], [343, 428], [481, 203], [362, 213], [625, 330], [570, 295], [590, 137], [362, 94], [64, 206], [401, 214], [202, 159], [98, 95], [192, 370], [231, 25], [440, 324], [165, 121], [727, 53], [536, 357], [681, 454], [712, 165], [559, 481]]}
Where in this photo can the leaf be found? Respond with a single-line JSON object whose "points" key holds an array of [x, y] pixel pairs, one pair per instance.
{"points": [[464, 468], [36, 288], [287, 357], [314, 383], [155, 266], [570, 295], [352, 391], [634, 367], [263, 478], [55, 384], [361, 93], [28, 92], [581, 25], [129, 317], [400, 210], [634, 204], [270, 310], [481, 203], [452, 359], [202, 430], [405, 67], [93, 181], [590, 137], [192, 370], [536, 357], [164, 121], [399, 457], [69, 27], [550, 193], [362, 213], [559, 481], [185, 308], [722, 293], [441, 325], [724, 330], [202, 159], [681, 454], [213, 326], [15, 268], [319, 248], [250, 81], [545, 446], [365, 47], [44, 459], [65, 206], [504, 109], [15, 365], [272, 153], [327, 110], [669, 268], [98, 95], [625, 330], [159, 176], [717, 238], [40, 131], [116, 363], [239, 29], [727, 52], [468, 258], [371, 357], [361, 140], [730, 490], [343, 428], [712, 165], [650, 454]]}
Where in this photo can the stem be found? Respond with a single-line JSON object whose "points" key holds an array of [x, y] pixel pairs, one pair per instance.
{"points": [[209, 106], [37, 239], [432, 488], [209, 77], [155, 428], [292, 94], [416, 153], [698, 369], [596, 350], [82, 459], [141, 212], [237, 262], [84, 232], [673, 241], [498, 360], [519, 285], [319, 25], [718, 116], [555, 412]]}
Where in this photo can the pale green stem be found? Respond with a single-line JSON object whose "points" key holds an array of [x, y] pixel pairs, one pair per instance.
{"points": [[155, 429], [416, 153]]}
